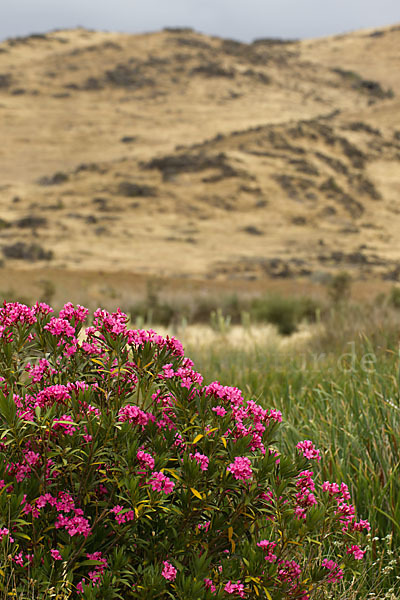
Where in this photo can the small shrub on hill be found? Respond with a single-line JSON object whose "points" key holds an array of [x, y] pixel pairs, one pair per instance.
{"points": [[394, 298], [123, 476], [284, 312], [339, 288]]}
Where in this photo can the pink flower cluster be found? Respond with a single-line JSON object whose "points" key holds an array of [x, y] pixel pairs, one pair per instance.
{"points": [[3, 532], [208, 584], [146, 460], [169, 571], [133, 415], [219, 410], [60, 327], [76, 525], [204, 526], [289, 571], [40, 371], [15, 313], [76, 314], [248, 420], [201, 459], [19, 559], [53, 394], [308, 450], [122, 517], [63, 504], [21, 470], [139, 337], [55, 554], [185, 373], [304, 497], [335, 573], [241, 468], [344, 511], [235, 588], [64, 424], [268, 547], [356, 552], [95, 576], [114, 323], [161, 483]]}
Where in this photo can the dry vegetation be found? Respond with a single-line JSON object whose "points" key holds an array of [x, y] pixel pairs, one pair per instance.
{"points": [[191, 157]]}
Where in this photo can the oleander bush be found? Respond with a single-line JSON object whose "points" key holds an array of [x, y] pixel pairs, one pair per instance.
{"points": [[124, 476]]}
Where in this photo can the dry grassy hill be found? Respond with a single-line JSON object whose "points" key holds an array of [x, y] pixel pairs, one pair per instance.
{"points": [[187, 156]]}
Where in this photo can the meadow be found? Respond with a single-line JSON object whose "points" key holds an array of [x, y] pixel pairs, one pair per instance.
{"points": [[340, 390], [333, 370]]}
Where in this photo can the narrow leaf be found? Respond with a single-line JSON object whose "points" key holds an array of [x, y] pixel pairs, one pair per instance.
{"points": [[196, 493]]}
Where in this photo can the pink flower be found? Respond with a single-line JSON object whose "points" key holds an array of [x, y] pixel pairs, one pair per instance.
{"points": [[219, 410], [229, 394], [362, 524], [114, 323], [305, 481], [138, 337], [133, 414], [289, 570], [79, 586], [60, 327], [160, 483], [32, 457], [3, 532], [308, 450], [14, 312], [208, 584], [55, 554], [65, 502], [346, 513], [145, 460], [179, 441], [76, 525], [275, 415], [69, 312], [356, 552], [122, 517], [168, 371], [201, 459], [335, 572], [37, 372], [235, 588], [241, 468], [331, 488], [268, 547], [18, 558], [60, 423], [42, 308], [168, 572]]}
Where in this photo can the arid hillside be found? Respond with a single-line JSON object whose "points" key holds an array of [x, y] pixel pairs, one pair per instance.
{"points": [[180, 155]]}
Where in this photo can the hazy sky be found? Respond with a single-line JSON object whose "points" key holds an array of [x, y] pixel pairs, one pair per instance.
{"points": [[238, 19]]}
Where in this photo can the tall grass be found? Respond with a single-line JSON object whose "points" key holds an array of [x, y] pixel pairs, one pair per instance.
{"points": [[349, 405]]}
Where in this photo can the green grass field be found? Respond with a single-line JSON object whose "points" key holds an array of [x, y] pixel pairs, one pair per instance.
{"points": [[348, 403]]}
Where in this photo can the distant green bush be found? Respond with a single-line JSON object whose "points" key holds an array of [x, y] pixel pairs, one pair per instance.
{"points": [[339, 288], [284, 312], [394, 297]]}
